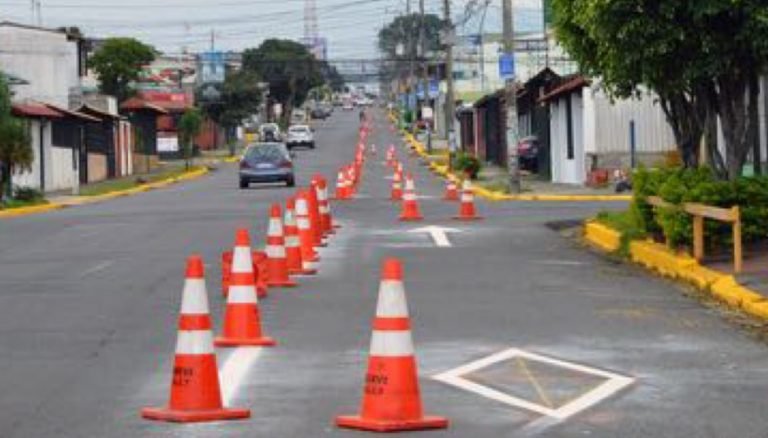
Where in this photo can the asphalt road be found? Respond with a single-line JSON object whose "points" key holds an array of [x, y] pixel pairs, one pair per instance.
{"points": [[89, 300]]}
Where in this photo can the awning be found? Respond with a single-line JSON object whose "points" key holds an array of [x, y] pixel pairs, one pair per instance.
{"points": [[35, 110]]}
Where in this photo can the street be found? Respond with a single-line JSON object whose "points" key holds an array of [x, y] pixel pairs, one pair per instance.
{"points": [[89, 300]]}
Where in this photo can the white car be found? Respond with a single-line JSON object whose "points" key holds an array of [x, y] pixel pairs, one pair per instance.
{"points": [[300, 135]]}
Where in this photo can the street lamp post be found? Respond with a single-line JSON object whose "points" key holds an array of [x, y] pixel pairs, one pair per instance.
{"points": [[513, 164]]}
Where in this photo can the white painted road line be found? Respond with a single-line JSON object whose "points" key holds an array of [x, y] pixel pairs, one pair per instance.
{"points": [[613, 383], [100, 267], [439, 234], [235, 370]]}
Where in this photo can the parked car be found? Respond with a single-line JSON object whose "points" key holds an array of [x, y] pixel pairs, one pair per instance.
{"points": [[528, 153], [270, 132], [300, 135], [267, 163], [299, 116]]}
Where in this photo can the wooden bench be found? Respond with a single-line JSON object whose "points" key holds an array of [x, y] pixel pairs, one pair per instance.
{"points": [[700, 212]]}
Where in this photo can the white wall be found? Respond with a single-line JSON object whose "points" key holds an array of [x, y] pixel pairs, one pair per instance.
{"points": [[567, 170], [32, 177], [58, 162], [43, 58], [612, 120]]}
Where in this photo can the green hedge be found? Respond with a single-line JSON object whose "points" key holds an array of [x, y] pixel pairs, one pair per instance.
{"points": [[699, 185]]}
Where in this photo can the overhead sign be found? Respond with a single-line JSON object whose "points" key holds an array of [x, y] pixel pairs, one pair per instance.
{"points": [[507, 66], [212, 68]]}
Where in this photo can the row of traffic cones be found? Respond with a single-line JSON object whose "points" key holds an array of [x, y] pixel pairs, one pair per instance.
{"points": [[406, 194], [292, 239]]}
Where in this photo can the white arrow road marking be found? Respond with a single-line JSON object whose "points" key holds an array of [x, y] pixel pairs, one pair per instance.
{"points": [[439, 234]]}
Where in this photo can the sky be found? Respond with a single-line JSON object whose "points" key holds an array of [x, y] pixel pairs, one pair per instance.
{"points": [[172, 26]]}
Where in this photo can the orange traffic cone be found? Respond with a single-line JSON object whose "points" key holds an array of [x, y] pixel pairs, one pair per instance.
{"points": [[467, 207], [397, 187], [451, 191], [306, 235], [259, 273], [326, 221], [242, 317], [341, 186], [314, 214], [292, 241], [277, 263], [195, 391], [410, 206], [391, 396]]}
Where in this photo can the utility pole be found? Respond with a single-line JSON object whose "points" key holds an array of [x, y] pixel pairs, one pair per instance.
{"points": [[513, 164], [449, 97], [425, 73]]}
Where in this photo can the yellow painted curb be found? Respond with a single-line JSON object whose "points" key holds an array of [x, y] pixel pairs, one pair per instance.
{"points": [[602, 236], [23, 211], [664, 261], [730, 291], [82, 200]]}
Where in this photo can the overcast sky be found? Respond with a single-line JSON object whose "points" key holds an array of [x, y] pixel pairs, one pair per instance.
{"points": [[170, 25]]}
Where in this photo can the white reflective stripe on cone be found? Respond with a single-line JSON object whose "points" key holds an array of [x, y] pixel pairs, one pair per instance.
{"points": [[391, 343], [275, 227], [391, 302], [275, 252], [194, 342], [409, 185], [242, 295], [308, 265], [303, 223], [241, 260], [194, 300], [290, 219], [292, 241], [301, 208], [408, 196]]}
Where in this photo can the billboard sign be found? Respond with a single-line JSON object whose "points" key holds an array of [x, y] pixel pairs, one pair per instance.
{"points": [[211, 67]]}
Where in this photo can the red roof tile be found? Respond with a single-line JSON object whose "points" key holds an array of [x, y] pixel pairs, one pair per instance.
{"points": [[137, 104], [35, 110], [576, 83]]}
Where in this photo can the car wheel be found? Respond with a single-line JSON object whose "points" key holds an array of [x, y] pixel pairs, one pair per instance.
{"points": [[290, 182], [311, 145], [243, 184]]}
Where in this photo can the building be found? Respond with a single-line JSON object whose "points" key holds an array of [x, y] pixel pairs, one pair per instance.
{"points": [[51, 62], [590, 133]]}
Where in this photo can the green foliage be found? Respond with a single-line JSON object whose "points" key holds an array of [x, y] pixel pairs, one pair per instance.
{"points": [[118, 63], [15, 146], [467, 164], [27, 194], [240, 98], [625, 222], [699, 185], [700, 58], [190, 125], [405, 30], [289, 69]]}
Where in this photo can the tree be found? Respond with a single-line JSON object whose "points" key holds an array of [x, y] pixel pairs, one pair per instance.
{"points": [[15, 147], [289, 69], [701, 58], [239, 97], [118, 63], [190, 125], [402, 33]]}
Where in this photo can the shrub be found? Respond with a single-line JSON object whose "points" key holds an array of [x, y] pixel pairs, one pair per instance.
{"points": [[468, 164], [678, 186], [27, 194]]}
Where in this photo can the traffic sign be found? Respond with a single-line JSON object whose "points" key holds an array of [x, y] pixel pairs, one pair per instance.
{"points": [[507, 66]]}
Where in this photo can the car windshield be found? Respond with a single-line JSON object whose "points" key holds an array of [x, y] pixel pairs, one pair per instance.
{"points": [[271, 153], [298, 129]]}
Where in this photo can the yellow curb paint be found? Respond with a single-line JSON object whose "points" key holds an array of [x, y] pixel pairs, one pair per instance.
{"points": [[758, 309], [82, 200], [726, 288], [602, 236], [23, 211]]}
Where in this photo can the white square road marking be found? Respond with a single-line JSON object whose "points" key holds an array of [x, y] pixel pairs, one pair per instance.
{"points": [[613, 383]]}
